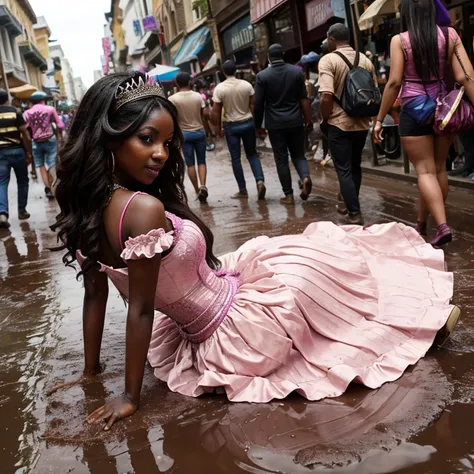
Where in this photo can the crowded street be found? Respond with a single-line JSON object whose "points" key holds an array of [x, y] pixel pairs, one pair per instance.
{"points": [[419, 423], [236, 236]]}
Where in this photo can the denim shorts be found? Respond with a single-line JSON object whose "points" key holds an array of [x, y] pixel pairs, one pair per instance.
{"points": [[194, 147], [44, 153]]}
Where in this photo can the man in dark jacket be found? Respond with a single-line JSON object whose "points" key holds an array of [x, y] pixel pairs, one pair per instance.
{"points": [[280, 95]]}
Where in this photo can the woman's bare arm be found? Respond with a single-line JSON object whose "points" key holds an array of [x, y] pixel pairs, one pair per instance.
{"points": [[96, 292], [144, 214], [463, 76], [395, 81]]}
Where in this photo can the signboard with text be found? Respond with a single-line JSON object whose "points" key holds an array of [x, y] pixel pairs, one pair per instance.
{"points": [[239, 35], [149, 23], [318, 12]]}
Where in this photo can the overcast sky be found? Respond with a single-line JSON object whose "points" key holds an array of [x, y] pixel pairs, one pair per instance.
{"points": [[78, 25]]}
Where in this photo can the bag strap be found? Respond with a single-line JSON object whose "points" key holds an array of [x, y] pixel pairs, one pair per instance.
{"points": [[458, 56], [348, 63]]}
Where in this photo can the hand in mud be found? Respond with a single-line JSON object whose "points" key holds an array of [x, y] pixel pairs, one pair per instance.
{"points": [[112, 411], [86, 376]]}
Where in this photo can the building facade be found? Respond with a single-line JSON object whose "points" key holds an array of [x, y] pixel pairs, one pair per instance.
{"points": [[23, 63], [79, 88], [64, 74], [42, 35]]}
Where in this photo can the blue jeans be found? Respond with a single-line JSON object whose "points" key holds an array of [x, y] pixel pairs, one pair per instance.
{"points": [[44, 153], [13, 157], [194, 147], [245, 131]]}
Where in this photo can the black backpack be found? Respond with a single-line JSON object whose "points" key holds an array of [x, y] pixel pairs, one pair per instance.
{"points": [[360, 96]]}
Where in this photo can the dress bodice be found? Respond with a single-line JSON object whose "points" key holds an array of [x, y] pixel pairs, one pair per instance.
{"points": [[196, 297]]}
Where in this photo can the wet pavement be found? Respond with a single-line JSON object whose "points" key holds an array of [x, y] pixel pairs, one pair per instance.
{"points": [[421, 423]]}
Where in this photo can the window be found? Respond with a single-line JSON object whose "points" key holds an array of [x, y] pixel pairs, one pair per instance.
{"points": [[197, 14]]}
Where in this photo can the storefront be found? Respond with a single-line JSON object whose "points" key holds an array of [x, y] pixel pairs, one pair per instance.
{"points": [[195, 51], [316, 16], [238, 42], [276, 21]]}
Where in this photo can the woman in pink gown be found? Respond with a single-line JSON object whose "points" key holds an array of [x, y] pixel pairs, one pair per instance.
{"points": [[306, 313]]}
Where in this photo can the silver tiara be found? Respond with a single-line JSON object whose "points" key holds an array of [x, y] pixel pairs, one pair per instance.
{"points": [[136, 89]]}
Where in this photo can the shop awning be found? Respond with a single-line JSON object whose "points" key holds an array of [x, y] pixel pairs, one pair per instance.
{"points": [[211, 64], [192, 46], [141, 46], [376, 9], [261, 8]]}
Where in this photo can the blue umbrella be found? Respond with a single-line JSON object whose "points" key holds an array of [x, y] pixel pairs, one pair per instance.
{"points": [[164, 73]]}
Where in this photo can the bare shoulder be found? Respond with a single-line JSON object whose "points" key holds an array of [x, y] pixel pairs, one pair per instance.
{"points": [[396, 39], [145, 213], [453, 34]]}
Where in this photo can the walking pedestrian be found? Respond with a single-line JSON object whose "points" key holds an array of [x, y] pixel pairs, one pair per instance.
{"points": [[418, 59], [346, 134], [307, 313], [40, 119], [15, 151], [191, 107], [236, 98], [280, 96]]}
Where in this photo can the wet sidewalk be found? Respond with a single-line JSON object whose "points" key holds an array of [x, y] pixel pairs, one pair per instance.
{"points": [[418, 424]]}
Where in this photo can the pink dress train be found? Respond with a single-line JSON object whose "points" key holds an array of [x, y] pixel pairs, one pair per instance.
{"points": [[306, 313]]}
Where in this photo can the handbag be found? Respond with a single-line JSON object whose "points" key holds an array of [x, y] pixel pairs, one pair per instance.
{"points": [[421, 109], [454, 113]]}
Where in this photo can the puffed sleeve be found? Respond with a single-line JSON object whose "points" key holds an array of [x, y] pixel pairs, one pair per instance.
{"points": [[147, 245]]}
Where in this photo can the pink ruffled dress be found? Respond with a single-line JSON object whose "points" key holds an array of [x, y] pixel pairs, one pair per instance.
{"points": [[309, 313]]}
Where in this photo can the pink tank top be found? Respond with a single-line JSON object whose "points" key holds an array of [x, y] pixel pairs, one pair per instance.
{"points": [[413, 86]]}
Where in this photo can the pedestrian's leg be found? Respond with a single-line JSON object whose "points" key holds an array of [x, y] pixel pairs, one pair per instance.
{"points": [[421, 152], [233, 143], [358, 143], [50, 154], [200, 146], [20, 168], [441, 148], [5, 168], [39, 156], [279, 144], [249, 139], [296, 138], [340, 145], [188, 153]]}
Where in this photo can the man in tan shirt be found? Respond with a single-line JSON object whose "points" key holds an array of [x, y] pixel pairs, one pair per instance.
{"points": [[190, 107], [347, 135], [236, 97]]}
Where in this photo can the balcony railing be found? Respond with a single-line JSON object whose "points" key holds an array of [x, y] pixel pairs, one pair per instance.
{"points": [[7, 20], [32, 55]]}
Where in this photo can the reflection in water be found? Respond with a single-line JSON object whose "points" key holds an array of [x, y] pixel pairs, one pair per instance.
{"points": [[288, 437], [21, 274]]}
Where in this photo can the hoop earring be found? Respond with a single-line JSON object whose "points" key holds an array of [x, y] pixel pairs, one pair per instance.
{"points": [[112, 162]]}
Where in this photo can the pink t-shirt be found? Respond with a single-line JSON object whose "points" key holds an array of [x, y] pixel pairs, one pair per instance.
{"points": [[39, 118]]}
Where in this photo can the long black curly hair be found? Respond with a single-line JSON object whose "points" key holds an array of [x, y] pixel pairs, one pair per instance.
{"points": [[85, 174]]}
